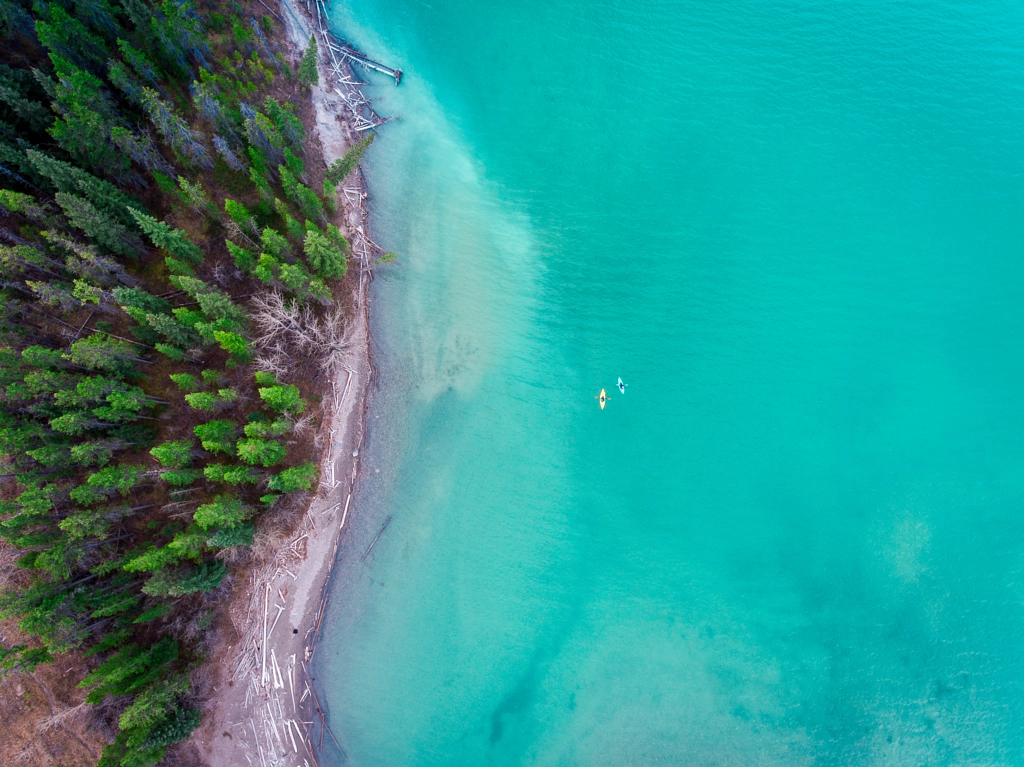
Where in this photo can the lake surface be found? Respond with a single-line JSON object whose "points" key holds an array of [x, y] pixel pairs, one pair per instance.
{"points": [[796, 230]]}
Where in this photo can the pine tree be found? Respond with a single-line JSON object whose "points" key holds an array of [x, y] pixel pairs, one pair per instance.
{"points": [[217, 436], [122, 477], [223, 511], [286, 121], [85, 119], [186, 381], [139, 63], [308, 72], [97, 225], [243, 258], [193, 195], [295, 479], [325, 258], [174, 241], [238, 213], [103, 354], [309, 203], [294, 163], [339, 170], [174, 455], [174, 129], [68, 38], [236, 345], [65, 177], [261, 452], [295, 229]]}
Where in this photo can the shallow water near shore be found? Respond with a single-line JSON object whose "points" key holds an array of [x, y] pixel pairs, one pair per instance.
{"points": [[796, 232]]}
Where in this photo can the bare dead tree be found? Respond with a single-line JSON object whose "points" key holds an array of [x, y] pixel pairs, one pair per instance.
{"points": [[286, 331]]}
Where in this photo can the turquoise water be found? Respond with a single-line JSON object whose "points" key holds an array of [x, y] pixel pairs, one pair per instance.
{"points": [[796, 231]]}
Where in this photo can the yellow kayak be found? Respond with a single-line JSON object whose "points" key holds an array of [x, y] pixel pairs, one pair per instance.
{"points": [[602, 398]]}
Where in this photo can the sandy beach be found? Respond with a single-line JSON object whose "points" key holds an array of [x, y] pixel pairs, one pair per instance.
{"points": [[263, 709]]}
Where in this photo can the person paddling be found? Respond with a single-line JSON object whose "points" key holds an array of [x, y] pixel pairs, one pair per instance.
{"points": [[622, 386]]}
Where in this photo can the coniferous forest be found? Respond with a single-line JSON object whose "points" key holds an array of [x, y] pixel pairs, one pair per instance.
{"points": [[166, 313]]}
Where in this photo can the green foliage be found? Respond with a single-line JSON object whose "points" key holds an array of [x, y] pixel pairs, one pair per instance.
{"points": [[23, 658], [339, 170], [177, 583], [261, 452], [174, 241], [181, 477], [238, 213], [308, 73], [294, 163], [275, 244], [284, 398], [104, 230], [209, 401], [174, 455], [217, 436], [177, 726], [240, 535], [236, 345], [85, 118], [309, 203], [65, 177], [223, 511], [295, 229], [295, 479], [186, 381], [324, 256], [233, 475]]}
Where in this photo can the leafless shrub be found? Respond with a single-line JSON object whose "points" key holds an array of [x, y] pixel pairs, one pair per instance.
{"points": [[25, 754], [285, 330], [8, 569], [267, 542], [304, 424], [233, 555], [63, 718]]}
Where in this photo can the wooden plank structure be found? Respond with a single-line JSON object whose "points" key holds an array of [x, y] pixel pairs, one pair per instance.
{"points": [[340, 57]]}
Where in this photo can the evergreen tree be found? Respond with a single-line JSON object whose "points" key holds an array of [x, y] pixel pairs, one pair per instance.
{"points": [[284, 398], [97, 225], [185, 143], [174, 241], [223, 511], [238, 213], [85, 119], [309, 75], [139, 63], [243, 258], [236, 345], [174, 455], [65, 177], [286, 121], [217, 436], [294, 479], [339, 170], [309, 203], [261, 452], [295, 229], [325, 258]]}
